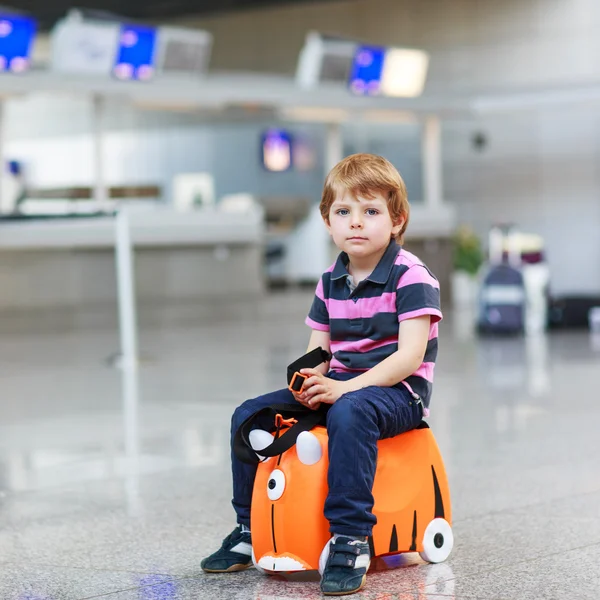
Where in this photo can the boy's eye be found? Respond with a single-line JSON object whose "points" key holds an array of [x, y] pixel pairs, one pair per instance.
{"points": [[372, 211], [342, 211]]}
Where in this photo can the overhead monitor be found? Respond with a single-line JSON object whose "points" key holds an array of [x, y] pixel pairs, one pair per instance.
{"points": [[395, 72], [367, 68], [135, 52], [324, 59], [16, 39], [183, 51], [84, 46], [276, 150], [96, 47]]}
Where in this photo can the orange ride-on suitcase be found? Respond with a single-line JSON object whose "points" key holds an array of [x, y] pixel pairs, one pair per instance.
{"points": [[412, 501]]}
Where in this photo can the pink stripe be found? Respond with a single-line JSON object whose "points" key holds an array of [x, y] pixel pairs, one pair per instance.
{"points": [[363, 308], [314, 325], [363, 345], [417, 274], [407, 258], [433, 331], [435, 314], [425, 371], [336, 365]]}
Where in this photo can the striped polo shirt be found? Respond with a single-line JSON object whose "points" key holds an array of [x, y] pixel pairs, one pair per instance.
{"points": [[362, 321]]}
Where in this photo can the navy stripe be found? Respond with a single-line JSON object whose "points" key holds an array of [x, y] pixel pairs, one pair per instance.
{"points": [[416, 297], [431, 351], [366, 360], [420, 386], [326, 278], [378, 327], [339, 289], [318, 311], [397, 272]]}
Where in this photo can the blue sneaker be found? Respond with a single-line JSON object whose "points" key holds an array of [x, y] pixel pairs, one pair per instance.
{"points": [[345, 571], [235, 554]]}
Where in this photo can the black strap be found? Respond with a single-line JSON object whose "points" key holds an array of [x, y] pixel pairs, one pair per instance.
{"points": [[305, 417], [346, 548], [306, 420], [310, 360]]}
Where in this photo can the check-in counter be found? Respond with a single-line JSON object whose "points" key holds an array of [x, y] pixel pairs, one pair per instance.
{"points": [[430, 235], [206, 254]]}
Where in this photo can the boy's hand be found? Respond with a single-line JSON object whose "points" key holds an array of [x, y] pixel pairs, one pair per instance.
{"points": [[318, 388], [302, 399]]}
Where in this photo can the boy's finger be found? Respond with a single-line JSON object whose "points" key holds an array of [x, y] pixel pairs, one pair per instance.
{"points": [[308, 371], [314, 389], [308, 393], [311, 381]]}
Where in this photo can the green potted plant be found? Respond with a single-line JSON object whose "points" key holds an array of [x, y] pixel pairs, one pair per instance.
{"points": [[467, 260]]}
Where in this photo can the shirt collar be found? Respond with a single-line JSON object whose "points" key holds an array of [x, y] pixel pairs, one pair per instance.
{"points": [[380, 274]]}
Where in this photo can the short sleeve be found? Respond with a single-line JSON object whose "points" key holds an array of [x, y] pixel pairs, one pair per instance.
{"points": [[418, 294], [318, 315]]}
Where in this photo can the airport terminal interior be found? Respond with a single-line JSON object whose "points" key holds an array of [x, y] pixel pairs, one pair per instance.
{"points": [[160, 247], [117, 489]]}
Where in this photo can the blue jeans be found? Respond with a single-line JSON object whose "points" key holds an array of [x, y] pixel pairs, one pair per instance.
{"points": [[354, 424]]}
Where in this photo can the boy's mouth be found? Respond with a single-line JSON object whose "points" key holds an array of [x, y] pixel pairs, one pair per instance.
{"points": [[357, 237]]}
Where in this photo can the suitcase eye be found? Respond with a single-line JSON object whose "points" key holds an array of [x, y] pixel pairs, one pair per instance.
{"points": [[276, 485], [259, 440], [308, 448]]}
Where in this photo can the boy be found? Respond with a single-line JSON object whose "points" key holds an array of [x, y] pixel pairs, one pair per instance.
{"points": [[376, 310]]}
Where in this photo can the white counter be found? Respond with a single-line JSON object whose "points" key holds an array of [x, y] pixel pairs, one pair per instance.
{"points": [[201, 255], [148, 228]]}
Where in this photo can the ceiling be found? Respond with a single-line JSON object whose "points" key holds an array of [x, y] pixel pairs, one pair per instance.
{"points": [[48, 11]]}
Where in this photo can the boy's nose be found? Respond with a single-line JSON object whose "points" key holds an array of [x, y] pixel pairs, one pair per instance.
{"points": [[356, 222]]}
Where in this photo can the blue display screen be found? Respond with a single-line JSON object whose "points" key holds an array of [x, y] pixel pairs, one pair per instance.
{"points": [[276, 145], [365, 74], [16, 37], [135, 55]]}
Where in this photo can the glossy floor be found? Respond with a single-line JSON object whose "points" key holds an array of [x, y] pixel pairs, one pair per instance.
{"points": [[116, 488]]}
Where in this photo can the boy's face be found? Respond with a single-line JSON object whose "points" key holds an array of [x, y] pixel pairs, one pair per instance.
{"points": [[361, 227]]}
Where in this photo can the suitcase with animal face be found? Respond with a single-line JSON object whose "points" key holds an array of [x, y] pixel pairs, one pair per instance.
{"points": [[412, 501]]}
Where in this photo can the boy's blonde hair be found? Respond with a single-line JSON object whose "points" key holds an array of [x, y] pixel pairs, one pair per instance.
{"points": [[365, 175]]}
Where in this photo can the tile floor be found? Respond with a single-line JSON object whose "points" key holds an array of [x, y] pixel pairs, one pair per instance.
{"points": [[115, 488]]}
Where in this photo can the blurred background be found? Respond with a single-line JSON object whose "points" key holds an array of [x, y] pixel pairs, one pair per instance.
{"points": [[161, 165]]}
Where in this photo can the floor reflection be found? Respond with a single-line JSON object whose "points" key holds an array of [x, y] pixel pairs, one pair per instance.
{"points": [[157, 587], [131, 416], [392, 577], [516, 373]]}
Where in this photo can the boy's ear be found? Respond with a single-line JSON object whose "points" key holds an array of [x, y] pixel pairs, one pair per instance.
{"points": [[327, 224], [398, 225]]}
